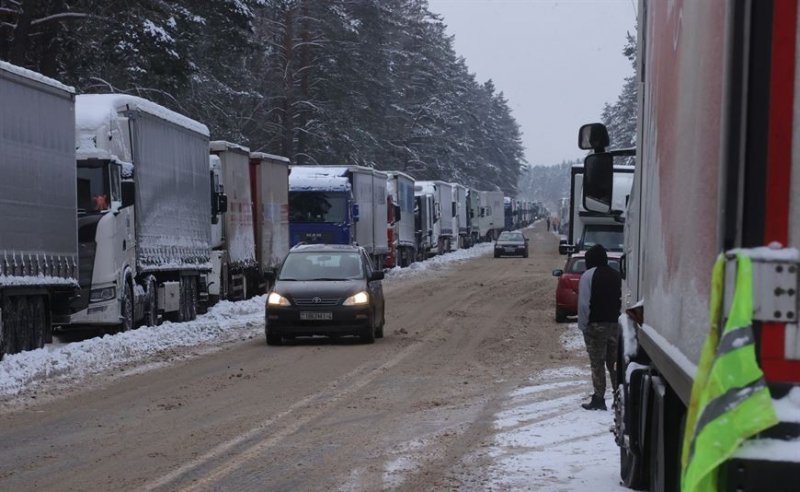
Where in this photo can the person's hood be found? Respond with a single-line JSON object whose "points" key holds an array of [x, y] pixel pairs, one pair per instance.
{"points": [[596, 256]]}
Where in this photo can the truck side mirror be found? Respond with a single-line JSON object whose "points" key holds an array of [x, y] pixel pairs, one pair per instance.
{"points": [[623, 266], [222, 203], [397, 214], [355, 212], [593, 136], [598, 182]]}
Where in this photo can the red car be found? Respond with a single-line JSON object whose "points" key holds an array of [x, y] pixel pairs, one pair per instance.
{"points": [[568, 279]]}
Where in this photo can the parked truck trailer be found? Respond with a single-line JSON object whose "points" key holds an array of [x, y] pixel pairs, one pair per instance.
{"points": [[492, 218], [717, 171], [143, 212], [38, 229], [269, 179]]}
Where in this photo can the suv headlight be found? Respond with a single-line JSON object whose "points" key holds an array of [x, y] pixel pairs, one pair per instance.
{"points": [[104, 294], [356, 299], [276, 299]]}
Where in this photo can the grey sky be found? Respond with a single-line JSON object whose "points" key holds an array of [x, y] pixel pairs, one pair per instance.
{"points": [[557, 62]]}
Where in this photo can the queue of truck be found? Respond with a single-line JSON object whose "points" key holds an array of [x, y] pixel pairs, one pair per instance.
{"points": [[165, 222]]}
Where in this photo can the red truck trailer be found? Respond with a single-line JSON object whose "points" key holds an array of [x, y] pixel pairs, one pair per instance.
{"points": [[718, 171]]}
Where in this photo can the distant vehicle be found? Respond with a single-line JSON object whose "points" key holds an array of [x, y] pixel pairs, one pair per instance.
{"points": [[339, 205], [568, 279], [511, 244], [401, 226], [326, 290]]}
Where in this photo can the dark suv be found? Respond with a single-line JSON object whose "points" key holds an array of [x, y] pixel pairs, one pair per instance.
{"points": [[325, 290]]}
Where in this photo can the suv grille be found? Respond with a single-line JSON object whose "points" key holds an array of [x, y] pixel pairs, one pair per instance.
{"points": [[316, 301]]}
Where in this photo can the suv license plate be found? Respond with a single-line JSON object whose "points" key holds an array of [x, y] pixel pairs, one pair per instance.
{"points": [[315, 316]]}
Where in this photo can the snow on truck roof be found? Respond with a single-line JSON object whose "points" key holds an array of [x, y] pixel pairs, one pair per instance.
{"points": [[30, 74], [261, 156], [319, 178], [224, 145], [93, 110]]}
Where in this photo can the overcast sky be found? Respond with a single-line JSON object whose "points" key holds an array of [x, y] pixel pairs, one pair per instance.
{"points": [[557, 62]]}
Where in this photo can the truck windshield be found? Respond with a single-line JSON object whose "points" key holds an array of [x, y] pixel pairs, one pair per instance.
{"points": [[322, 266], [315, 206], [611, 238], [93, 189]]}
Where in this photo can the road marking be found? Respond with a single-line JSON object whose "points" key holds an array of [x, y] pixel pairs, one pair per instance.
{"points": [[241, 458]]}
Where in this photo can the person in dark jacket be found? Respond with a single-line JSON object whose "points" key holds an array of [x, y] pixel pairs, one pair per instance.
{"points": [[599, 303]]}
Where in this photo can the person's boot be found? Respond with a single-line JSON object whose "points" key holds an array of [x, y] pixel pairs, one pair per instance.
{"points": [[596, 403]]}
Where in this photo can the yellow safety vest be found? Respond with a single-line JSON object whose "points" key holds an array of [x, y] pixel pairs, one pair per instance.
{"points": [[730, 399]]}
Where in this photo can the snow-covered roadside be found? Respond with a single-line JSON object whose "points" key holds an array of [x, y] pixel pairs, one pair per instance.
{"points": [[441, 262], [72, 362], [546, 442]]}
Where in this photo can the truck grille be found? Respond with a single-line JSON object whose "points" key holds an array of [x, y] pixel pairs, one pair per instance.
{"points": [[316, 301]]}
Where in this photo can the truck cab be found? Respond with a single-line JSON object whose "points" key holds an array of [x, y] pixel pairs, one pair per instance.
{"points": [[106, 242]]}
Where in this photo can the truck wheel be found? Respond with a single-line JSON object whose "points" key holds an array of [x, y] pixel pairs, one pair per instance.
{"points": [[8, 334], [192, 301], [151, 309], [126, 311], [39, 322], [633, 461], [24, 325]]}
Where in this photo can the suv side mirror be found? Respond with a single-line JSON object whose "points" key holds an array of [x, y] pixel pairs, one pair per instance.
{"points": [[598, 182], [376, 276], [558, 273]]}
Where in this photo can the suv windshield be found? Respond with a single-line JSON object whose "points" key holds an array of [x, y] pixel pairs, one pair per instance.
{"points": [[317, 206], [322, 266]]}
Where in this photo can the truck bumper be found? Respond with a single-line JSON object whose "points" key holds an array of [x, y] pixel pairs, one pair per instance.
{"points": [[99, 313]]}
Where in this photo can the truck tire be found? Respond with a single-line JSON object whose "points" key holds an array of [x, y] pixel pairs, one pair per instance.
{"points": [[8, 335], [126, 309], [39, 321], [192, 298], [633, 462], [151, 308], [24, 330]]}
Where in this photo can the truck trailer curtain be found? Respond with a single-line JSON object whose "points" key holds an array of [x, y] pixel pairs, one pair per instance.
{"points": [[730, 399]]}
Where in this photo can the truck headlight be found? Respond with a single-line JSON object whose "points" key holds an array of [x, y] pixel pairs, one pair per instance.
{"points": [[276, 299], [356, 299], [104, 294]]}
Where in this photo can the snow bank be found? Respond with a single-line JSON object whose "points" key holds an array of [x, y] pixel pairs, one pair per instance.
{"points": [[441, 262], [224, 322]]}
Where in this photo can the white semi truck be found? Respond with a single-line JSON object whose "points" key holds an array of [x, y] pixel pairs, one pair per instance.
{"points": [[38, 229], [587, 228], [143, 212], [461, 217], [492, 218], [444, 205], [400, 187], [235, 273]]}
